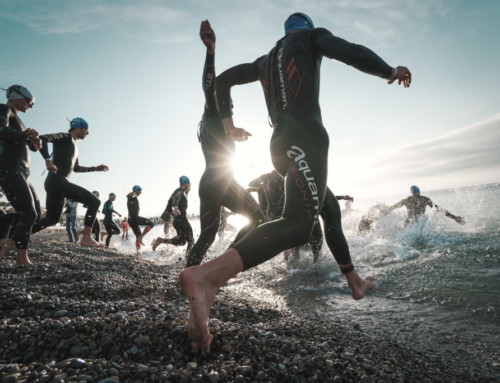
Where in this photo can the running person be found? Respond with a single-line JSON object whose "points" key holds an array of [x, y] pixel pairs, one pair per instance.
{"points": [[15, 140], [109, 224], [218, 187], [299, 149], [416, 204], [134, 220], [57, 185], [177, 206], [168, 219], [124, 226]]}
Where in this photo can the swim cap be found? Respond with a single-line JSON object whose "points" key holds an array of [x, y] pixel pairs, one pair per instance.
{"points": [[19, 91], [415, 190], [298, 20], [111, 195], [184, 180], [136, 188], [77, 123], [96, 193]]}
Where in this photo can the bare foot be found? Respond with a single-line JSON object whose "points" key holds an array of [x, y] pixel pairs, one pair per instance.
{"points": [[200, 296], [90, 242], [22, 258], [103, 234], [7, 245], [359, 285], [287, 254], [138, 244], [157, 242]]}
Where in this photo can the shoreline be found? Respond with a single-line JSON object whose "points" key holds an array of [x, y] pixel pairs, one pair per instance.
{"points": [[83, 314]]}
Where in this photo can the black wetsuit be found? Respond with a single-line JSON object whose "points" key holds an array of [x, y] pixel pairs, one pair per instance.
{"points": [[58, 187], [181, 224], [290, 77], [134, 220], [109, 224], [14, 173], [96, 229], [415, 206], [218, 187]]}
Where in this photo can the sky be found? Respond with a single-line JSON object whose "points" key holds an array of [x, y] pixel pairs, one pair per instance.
{"points": [[133, 71]]}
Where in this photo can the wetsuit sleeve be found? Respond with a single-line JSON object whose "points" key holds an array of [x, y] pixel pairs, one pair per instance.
{"points": [[350, 54], [398, 205], [176, 198], [431, 204], [82, 169], [53, 138], [5, 130], [238, 75], [209, 83]]}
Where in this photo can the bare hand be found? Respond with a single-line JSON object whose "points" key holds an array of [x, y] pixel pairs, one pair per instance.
{"points": [[239, 134], [101, 168], [460, 220], [207, 35], [51, 167], [35, 141], [348, 198], [176, 212], [119, 215], [403, 76]]}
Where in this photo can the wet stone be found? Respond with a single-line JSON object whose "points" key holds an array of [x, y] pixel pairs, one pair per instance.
{"points": [[69, 332], [60, 313]]}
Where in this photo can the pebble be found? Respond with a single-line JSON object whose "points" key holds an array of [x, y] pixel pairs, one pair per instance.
{"points": [[60, 313], [69, 332]]}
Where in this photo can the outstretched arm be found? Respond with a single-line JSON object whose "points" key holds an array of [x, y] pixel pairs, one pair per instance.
{"points": [[85, 169], [207, 36], [456, 218], [238, 75], [359, 57], [397, 206]]}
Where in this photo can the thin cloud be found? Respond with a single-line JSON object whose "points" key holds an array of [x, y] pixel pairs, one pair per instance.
{"points": [[472, 147]]}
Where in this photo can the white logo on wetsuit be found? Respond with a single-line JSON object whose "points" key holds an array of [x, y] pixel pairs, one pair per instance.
{"points": [[304, 168], [282, 77], [208, 81]]}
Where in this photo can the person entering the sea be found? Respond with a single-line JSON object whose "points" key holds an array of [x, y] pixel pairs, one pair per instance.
{"points": [[375, 212], [415, 207], [168, 220], [71, 212], [289, 75], [177, 206], [218, 188], [57, 185], [15, 140], [109, 224], [124, 226], [134, 220]]}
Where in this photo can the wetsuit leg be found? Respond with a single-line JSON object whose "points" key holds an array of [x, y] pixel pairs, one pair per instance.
{"points": [[57, 192], [334, 235], [96, 230], [133, 223], [111, 229], [316, 241], [184, 233], [19, 193], [240, 201], [210, 213], [301, 155]]}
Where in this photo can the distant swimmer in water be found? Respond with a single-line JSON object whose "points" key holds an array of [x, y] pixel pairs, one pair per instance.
{"points": [[375, 212], [177, 206], [416, 204], [57, 185], [134, 220]]}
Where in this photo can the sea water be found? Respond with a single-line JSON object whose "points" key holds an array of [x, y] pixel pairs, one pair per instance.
{"points": [[435, 270]]}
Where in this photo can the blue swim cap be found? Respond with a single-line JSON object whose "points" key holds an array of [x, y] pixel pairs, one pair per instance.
{"points": [[77, 123], [111, 195], [415, 190], [136, 188], [184, 180], [95, 192], [298, 20]]}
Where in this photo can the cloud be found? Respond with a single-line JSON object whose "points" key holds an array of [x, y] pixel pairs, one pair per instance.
{"points": [[468, 148], [58, 17]]}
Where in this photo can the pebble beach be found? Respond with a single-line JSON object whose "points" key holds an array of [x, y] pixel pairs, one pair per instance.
{"points": [[97, 315]]}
